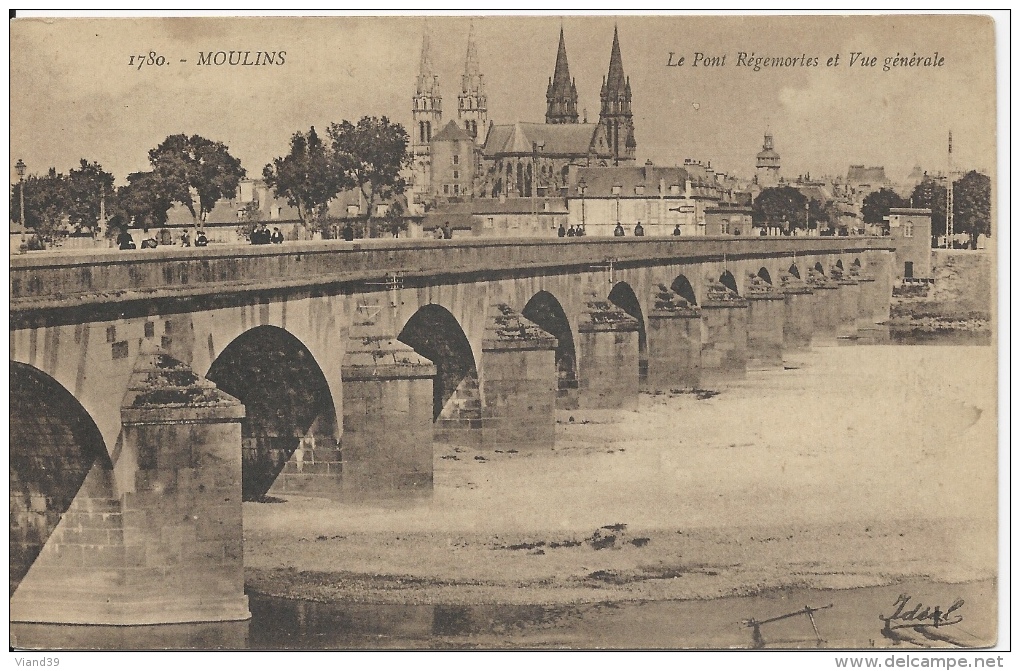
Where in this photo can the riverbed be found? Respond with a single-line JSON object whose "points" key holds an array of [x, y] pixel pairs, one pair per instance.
{"points": [[850, 468]]}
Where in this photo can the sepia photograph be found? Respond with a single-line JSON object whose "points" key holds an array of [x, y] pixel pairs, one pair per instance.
{"points": [[505, 332]]}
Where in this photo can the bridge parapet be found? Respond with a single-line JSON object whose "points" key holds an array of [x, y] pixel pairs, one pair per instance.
{"points": [[64, 281]]}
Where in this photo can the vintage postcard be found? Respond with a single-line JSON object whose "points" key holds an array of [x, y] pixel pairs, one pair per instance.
{"points": [[504, 332]]}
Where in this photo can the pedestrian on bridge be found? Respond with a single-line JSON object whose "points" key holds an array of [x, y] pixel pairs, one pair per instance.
{"points": [[618, 231], [277, 237], [639, 230], [348, 232], [561, 232], [676, 230]]}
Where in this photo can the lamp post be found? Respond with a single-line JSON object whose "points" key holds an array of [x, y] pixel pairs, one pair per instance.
{"points": [[20, 168], [581, 187], [807, 220]]}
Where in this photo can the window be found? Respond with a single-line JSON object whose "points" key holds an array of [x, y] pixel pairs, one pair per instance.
{"points": [[456, 159], [617, 189], [489, 222], [674, 189], [908, 229], [456, 189], [639, 190], [456, 174], [446, 189]]}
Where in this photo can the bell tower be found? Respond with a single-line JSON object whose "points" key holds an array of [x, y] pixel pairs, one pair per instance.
{"points": [[615, 115], [472, 109], [426, 115], [561, 95]]}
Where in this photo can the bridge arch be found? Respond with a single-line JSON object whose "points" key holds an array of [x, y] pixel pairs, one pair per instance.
{"points": [[763, 273], [622, 296], [286, 398], [795, 271], [435, 333], [819, 267], [546, 311], [729, 281], [682, 287], [54, 445], [839, 264]]}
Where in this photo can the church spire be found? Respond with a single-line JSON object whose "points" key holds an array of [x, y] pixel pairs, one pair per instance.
{"points": [[615, 115], [561, 96], [472, 108], [426, 115]]}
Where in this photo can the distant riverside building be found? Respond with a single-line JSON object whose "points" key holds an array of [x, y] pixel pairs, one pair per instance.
{"points": [[660, 197], [767, 164], [866, 179], [910, 229]]}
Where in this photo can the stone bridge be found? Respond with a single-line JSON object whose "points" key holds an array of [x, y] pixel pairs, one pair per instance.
{"points": [[152, 391]]}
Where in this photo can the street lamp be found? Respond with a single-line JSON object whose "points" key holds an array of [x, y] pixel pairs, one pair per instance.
{"points": [[20, 168], [581, 187], [807, 220]]}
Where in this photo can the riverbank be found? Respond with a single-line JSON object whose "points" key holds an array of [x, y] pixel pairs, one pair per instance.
{"points": [[854, 467], [960, 300]]}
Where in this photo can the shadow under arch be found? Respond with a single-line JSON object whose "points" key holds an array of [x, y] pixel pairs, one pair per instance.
{"points": [[819, 267], [795, 271], [623, 297], [763, 273], [728, 281], [286, 398], [434, 333], [54, 444], [682, 287], [839, 264], [545, 310]]}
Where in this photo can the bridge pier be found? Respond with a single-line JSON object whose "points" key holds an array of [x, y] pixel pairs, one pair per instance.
{"points": [[518, 382], [674, 342], [157, 539], [848, 293], [387, 420], [724, 348], [766, 318], [798, 317], [825, 308], [607, 369]]}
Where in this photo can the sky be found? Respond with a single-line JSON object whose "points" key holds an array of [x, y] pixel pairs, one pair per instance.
{"points": [[74, 94]]}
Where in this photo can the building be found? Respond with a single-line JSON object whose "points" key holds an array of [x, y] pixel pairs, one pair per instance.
{"points": [[865, 180], [767, 164], [472, 104], [659, 197], [561, 94], [501, 217], [910, 228], [452, 163], [526, 159]]}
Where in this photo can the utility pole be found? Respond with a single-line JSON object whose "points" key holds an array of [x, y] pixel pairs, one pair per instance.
{"points": [[949, 195]]}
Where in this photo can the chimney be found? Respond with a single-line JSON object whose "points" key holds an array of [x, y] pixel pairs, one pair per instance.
{"points": [[647, 170]]}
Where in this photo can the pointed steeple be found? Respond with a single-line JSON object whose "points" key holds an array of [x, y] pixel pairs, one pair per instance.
{"points": [[428, 82], [615, 80], [615, 115], [472, 108], [561, 96]]}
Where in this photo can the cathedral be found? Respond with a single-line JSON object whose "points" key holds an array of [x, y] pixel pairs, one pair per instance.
{"points": [[472, 157]]}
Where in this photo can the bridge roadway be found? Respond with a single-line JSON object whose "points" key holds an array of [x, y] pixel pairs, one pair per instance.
{"points": [[154, 390]]}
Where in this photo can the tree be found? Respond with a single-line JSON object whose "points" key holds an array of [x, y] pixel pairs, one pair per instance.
{"points": [[183, 163], [931, 195], [307, 176], [147, 198], [972, 206], [370, 155], [878, 203], [781, 206], [46, 201], [87, 187]]}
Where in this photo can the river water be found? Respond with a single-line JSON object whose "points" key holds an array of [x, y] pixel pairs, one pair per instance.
{"points": [[928, 566]]}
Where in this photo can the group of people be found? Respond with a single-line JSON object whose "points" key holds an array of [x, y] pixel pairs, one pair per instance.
{"points": [[573, 231], [162, 238], [443, 233], [639, 231], [262, 236]]}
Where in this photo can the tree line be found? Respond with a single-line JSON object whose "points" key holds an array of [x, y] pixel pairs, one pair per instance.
{"points": [[196, 172], [786, 207]]}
